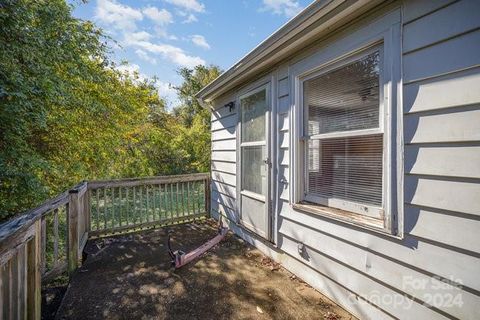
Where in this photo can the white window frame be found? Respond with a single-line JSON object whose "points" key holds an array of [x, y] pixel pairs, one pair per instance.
{"points": [[350, 206], [334, 52]]}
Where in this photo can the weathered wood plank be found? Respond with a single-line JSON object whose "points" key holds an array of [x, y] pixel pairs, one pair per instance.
{"points": [[150, 224], [183, 199], [56, 237], [97, 208], [34, 297], [207, 195], [22, 283], [43, 254], [13, 227], [146, 181], [72, 219], [105, 226]]}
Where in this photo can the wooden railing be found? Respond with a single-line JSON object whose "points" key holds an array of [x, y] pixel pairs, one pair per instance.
{"points": [[130, 204], [49, 240]]}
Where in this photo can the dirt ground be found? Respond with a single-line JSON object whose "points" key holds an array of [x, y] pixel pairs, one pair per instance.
{"points": [[129, 277]]}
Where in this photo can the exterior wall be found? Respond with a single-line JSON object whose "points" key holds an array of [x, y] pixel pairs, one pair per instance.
{"points": [[373, 275], [223, 165]]}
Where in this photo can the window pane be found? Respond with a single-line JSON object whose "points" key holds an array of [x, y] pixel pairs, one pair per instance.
{"points": [[344, 99], [347, 169], [253, 169], [253, 116]]}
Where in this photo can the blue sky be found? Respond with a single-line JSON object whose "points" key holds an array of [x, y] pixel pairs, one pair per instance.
{"points": [[157, 37]]}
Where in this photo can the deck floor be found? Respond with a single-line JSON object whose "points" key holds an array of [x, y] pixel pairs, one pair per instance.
{"points": [[129, 277]]}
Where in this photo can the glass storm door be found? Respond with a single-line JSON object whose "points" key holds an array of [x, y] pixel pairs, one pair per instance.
{"points": [[254, 161]]}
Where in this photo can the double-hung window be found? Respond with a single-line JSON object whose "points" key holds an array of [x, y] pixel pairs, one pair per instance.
{"points": [[344, 159]]}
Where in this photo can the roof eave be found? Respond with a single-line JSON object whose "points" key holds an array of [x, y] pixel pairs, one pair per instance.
{"points": [[268, 47]]}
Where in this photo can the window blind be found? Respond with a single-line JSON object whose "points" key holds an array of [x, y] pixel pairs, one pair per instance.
{"points": [[344, 99], [348, 167]]}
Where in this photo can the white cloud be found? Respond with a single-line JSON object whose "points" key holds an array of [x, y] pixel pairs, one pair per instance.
{"points": [[130, 38], [119, 16], [190, 5], [166, 90], [200, 41], [162, 33], [144, 56], [132, 71], [160, 17], [172, 53], [191, 18], [288, 8], [124, 19]]}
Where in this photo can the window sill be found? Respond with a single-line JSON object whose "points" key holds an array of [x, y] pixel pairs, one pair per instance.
{"points": [[343, 216]]}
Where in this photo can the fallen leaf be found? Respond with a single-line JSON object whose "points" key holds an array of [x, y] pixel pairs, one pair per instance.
{"points": [[259, 309]]}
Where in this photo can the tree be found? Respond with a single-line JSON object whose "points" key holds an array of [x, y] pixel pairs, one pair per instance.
{"points": [[195, 137], [193, 81], [66, 114]]}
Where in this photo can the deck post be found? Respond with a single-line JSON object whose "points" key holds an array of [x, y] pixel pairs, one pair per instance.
{"points": [[72, 227], [34, 280]]}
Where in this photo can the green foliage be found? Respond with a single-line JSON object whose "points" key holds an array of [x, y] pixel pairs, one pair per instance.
{"points": [[67, 114], [196, 120]]}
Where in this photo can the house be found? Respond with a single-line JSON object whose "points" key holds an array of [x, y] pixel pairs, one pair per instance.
{"points": [[346, 146]]}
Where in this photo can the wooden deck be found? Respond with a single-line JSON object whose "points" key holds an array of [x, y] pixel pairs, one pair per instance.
{"points": [[47, 241], [129, 277]]}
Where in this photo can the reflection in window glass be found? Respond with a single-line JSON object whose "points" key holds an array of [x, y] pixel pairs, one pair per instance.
{"points": [[253, 116], [344, 99], [347, 168], [253, 169]]}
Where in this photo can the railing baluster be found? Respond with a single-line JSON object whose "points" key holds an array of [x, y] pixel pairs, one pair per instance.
{"points": [[55, 237], [171, 201], [159, 202], [120, 206], [193, 197], [43, 245], [147, 203], [112, 207], [127, 206], [176, 202], [183, 199], [98, 209], [155, 203], [134, 218], [206, 198], [165, 198], [105, 208], [188, 198], [199, 196]]}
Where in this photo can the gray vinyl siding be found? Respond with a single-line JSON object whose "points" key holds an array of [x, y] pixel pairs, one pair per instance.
{"points": [[441, 130], [223, 164], [442, 186]]}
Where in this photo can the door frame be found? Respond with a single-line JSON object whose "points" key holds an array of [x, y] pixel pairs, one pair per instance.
{"points": [[263, 83]]}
